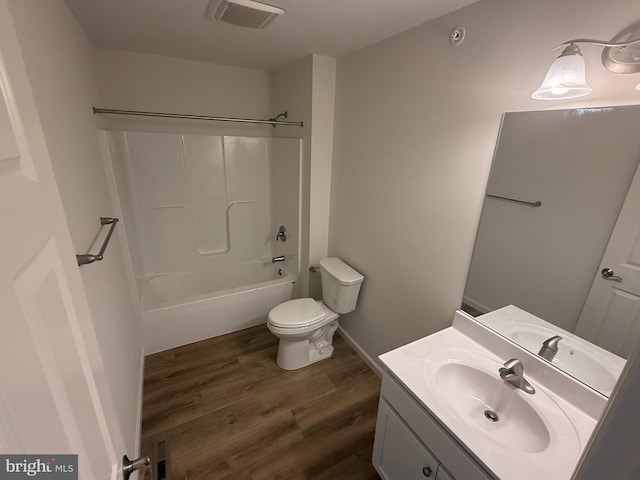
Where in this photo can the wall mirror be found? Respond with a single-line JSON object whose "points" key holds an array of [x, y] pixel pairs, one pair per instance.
{"points": [[558, 247]]}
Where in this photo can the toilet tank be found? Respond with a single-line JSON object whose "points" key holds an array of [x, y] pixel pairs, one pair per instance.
{"points": [[340, 285]]}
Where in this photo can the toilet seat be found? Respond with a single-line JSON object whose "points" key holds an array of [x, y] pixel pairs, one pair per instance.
{"points": [[301, 312]]}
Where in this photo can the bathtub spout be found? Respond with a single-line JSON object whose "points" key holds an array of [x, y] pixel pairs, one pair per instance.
{"points": [[279, 258]]}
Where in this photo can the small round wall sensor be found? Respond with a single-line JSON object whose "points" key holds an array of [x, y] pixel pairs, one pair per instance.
{"points": [[457, 36]]}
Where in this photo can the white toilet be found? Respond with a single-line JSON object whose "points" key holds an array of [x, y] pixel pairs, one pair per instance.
{"points": [[306, 326]]}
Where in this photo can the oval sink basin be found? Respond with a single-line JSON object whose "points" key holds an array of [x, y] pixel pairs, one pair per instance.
{"points": [[490, 405], [467, 390]]}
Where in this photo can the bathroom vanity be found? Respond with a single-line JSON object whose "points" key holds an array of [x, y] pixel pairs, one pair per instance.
{"points": [[446, 413], [400, 450]]}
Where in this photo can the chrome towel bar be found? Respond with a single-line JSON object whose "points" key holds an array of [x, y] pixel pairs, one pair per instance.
{"points": [[87, 258], [531, 204]]}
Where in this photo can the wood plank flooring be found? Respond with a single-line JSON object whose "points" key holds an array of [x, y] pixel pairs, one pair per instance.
{"points": [[227, 411]]}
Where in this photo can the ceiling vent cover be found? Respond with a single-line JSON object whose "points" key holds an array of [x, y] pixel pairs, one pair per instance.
{"points": [[243, 13]]}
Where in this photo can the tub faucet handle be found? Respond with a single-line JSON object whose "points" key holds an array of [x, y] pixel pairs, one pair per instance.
{"points": [[282, 234]]}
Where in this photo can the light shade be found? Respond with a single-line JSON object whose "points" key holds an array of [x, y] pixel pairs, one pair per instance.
{"points": [[565, 78]]}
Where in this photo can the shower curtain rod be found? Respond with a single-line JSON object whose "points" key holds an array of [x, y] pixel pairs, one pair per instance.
{"points": [[274, 121]]}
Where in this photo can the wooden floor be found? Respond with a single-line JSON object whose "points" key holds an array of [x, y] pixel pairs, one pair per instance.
{"points": [[227, 411]]}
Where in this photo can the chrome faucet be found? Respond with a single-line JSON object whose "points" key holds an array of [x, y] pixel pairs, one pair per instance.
{"points": [[513, 372], [550, 347]]}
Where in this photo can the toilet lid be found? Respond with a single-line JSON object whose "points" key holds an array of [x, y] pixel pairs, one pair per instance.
{"points": [[296, 313]]}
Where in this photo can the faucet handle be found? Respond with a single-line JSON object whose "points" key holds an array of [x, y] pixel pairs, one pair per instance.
{"points": [[513, 372], [282, 234], [515, 366]]}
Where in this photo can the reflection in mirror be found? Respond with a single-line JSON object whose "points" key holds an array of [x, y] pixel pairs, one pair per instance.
{"points": [[569, 265]]}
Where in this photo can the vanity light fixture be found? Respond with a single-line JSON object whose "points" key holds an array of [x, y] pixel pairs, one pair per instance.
{"points": [[566, 76]]}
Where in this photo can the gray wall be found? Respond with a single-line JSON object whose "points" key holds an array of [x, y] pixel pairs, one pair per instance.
{"points": [[138, 81], [415, 129]]}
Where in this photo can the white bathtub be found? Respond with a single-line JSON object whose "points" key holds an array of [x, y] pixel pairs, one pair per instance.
{"points": [[181, 309]]}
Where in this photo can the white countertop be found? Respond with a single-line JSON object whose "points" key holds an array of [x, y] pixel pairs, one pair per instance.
{"points": [[553, 458]]}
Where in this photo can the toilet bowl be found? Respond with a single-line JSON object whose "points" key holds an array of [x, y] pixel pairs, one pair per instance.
{"points": [[306, 326]]}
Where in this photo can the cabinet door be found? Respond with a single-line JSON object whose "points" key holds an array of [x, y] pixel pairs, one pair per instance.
{"points": [[398, 454]]}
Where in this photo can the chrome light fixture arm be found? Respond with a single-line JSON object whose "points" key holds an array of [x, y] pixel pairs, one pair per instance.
{"points": [[598, 42]]}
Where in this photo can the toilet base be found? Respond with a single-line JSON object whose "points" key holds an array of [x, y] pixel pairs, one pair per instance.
{"points": [[298, 352]]}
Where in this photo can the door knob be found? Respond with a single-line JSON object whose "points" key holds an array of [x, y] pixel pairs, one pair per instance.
{"points": [[609, 274], [129, 466]]}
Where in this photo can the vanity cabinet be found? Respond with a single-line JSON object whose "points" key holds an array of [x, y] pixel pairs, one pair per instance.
{"points": [[401, 455], [410, 444]]}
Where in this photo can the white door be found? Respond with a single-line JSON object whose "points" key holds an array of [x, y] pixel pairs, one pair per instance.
{"points": [[53, 395], [611, 315]]}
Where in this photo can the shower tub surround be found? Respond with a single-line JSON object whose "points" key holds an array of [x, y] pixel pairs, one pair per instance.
{"points": [[201, 214]]}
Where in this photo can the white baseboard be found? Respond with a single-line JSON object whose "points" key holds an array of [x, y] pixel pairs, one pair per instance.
{"points": [[371, 363]]}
